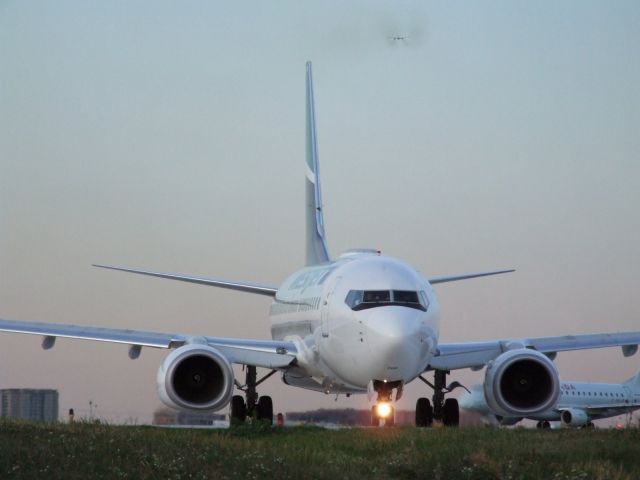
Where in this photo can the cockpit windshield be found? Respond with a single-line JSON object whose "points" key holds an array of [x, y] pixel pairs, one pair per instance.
{"points": [[363, 299]]}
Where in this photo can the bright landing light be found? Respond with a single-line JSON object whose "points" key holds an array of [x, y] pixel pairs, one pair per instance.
{"points": [[384, 409]]}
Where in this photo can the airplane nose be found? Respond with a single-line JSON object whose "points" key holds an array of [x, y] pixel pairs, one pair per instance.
{"points": [[395, 323], [400, 342]]}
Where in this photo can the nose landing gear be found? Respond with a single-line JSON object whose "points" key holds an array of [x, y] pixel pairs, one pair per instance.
{"points": [[383, 413]]}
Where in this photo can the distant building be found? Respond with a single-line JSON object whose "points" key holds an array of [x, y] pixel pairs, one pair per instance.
{"points": [[167, 416], [29, 404]]}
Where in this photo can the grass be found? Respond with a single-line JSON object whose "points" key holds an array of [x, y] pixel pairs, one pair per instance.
{"points": [[85, 450]]}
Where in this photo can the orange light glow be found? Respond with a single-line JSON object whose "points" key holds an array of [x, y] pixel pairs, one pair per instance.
{"points": [[383, 409]]}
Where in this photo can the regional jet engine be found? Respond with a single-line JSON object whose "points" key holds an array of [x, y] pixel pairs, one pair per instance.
{"points": [[573, 417], [520, 383], [195, 377]]}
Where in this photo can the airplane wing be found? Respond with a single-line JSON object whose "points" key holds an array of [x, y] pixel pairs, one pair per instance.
{"points": [[465, 276], [259, 353], [258, 288], [452, 356]]}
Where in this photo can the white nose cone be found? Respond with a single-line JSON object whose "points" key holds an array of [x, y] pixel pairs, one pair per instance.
{"points": [[398, 342]]}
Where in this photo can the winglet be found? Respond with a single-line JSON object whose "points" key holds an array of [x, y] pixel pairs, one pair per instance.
{"points": [[317, 251]]}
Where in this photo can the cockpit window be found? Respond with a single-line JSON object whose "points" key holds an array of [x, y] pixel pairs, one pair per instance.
{"points": [[363, 299], [369, 296], [405, 296]]}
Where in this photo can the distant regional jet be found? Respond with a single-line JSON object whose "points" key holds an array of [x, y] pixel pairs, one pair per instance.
{"points": [[578, 405], [360, 323], [395, 39]]}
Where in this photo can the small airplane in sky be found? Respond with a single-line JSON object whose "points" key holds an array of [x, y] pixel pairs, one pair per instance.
{"points": [[398, 37], [361, 323], [578, 405]]}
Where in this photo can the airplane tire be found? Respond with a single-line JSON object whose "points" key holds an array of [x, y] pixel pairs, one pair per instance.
{"points": [[265, 409], [546, 425], [238, 409], [451, 413], [424, 413]]}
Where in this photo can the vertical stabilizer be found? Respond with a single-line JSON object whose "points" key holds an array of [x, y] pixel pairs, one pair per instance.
{"points": [[316, 244]]}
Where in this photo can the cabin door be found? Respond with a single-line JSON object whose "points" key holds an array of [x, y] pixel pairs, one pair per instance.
{"points": [[324, 313]]}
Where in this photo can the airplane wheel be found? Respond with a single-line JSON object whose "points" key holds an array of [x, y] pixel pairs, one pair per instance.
{"points": [[238, 409], [539, 425], [546, 425], [451, 413], [424, 413], [590, 425], [265, 409]]}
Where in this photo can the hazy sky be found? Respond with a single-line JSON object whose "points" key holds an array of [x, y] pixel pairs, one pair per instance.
{"points": [[170, 136]]}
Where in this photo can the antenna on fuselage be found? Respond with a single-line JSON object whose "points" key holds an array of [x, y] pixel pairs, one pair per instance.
{"points": [[317, 251]]}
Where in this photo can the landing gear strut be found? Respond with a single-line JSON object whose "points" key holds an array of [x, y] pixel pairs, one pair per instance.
{"points": [[382, 411], [252, 406], [445, 411]]}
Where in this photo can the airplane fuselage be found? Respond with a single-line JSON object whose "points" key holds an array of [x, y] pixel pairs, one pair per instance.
{"points": [[362, 318], [598, 400]]}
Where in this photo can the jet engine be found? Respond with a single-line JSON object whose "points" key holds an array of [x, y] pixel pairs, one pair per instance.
{"points": [[507, 421], [520, 383], [572, 417], [195, 377]]}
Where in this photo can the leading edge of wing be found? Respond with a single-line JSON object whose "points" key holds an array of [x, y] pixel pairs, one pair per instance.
{"points": [[113, 335], [260, 353], [465, 276], [452, 356], [256, 288]]}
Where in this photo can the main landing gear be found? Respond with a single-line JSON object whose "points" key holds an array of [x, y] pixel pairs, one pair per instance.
{"points": [[260, 408], [445, 411]]}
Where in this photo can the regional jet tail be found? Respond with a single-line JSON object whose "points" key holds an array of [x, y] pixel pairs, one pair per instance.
{"points": [[578, 405], [360, 322]]}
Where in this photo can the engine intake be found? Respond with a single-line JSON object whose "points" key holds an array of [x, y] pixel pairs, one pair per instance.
{"points": [[195, 377], [521, 382]]}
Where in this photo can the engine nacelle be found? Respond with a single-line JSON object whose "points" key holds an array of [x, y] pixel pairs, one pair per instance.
{"points": [[520, 383], [195, 377], [573, 417], [507, 421]]}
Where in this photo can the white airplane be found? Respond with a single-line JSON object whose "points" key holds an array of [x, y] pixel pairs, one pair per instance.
{"points": [[360, 323], [578, 405]]}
